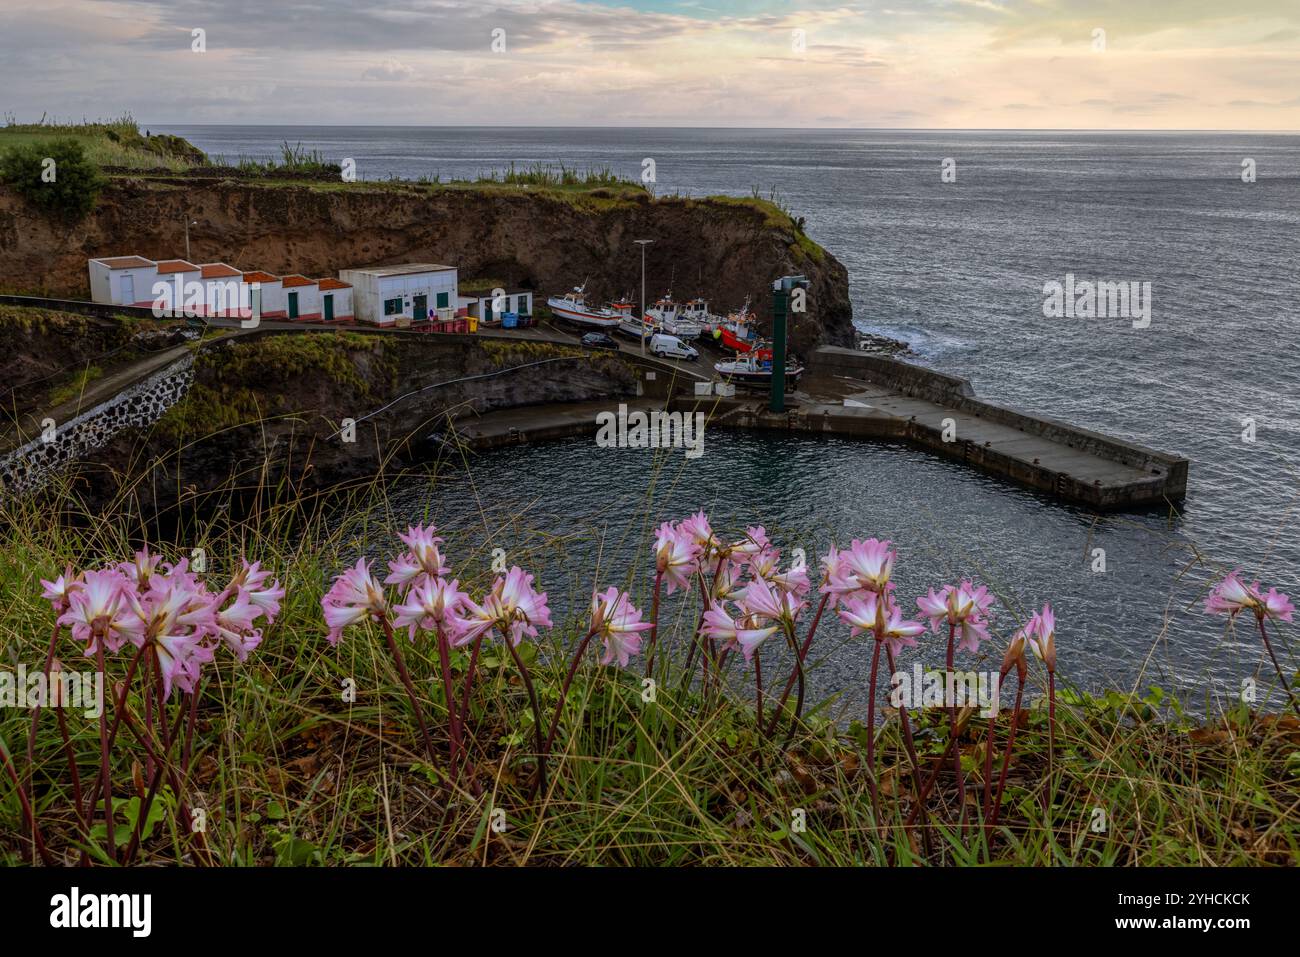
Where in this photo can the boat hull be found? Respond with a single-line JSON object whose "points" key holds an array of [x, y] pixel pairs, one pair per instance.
{"points": [[749, 379], [579, 317]]}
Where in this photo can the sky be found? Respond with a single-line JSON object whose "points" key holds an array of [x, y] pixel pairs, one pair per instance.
{"points": [[1022, 64]]}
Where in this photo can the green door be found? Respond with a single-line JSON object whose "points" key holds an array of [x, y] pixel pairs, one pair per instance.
{"points": [[329, 308], [421, 308], [293, 305]]}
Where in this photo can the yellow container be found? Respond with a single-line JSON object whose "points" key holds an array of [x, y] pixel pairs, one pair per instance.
{"points": [[473, 323]]}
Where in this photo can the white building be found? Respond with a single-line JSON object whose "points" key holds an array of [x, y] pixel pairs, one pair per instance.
{"points": [[265, 294], [484, 307], [185, 294], [335, 301], [383, 295], [122, 280], [224, 293], [301, 297]]}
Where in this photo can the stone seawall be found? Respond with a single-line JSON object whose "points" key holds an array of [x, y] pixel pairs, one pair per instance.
{"points": [[1168, 472], [36, 462]]}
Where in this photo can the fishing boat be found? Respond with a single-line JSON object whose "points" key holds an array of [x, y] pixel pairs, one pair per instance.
{"points": [[736, 332], [630, 325], [753, 369], [572, 307], [674, 318]]}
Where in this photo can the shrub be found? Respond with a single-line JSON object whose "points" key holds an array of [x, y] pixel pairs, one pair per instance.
{"points": [[67, 189]]}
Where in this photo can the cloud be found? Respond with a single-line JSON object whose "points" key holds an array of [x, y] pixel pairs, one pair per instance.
{"points": [[961, 63], [390, 70]]}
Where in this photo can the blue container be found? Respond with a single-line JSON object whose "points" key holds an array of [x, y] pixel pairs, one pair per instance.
{"points": [[509, 320]]}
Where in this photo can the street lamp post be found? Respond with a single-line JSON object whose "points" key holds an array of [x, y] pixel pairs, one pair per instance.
{"points": [[643, 243], [188, 223]]}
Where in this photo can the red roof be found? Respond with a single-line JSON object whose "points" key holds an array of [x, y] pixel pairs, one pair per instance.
{"points": [[125, 262], [176, 265], [259, 276], [334, 284], [297, 281], [218, 270]]}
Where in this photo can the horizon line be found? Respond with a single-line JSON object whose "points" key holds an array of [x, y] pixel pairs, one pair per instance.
{"points": [[845, 129]]}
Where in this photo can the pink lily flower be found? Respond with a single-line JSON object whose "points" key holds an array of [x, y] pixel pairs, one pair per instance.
{"points": [[98, 611], [354, 596], [234, 625], [513, 605], [677, 557], [57, 592], [761, 600], [432, 604], [1041, 635], [1233, 595], [618, 623], [870, 562], [697, 529], [423, 561], [734, 633]]}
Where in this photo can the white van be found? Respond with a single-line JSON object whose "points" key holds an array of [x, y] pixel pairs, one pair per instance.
{"points": [[670, 347]]}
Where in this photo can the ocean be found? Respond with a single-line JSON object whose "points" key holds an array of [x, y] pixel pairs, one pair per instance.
{"points": [[957, 270]]}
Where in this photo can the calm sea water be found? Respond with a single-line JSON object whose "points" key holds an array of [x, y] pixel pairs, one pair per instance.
{"points": [[957, 271]]}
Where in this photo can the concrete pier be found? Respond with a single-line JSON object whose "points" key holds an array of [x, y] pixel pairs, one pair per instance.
{"points": [[854, 394]]}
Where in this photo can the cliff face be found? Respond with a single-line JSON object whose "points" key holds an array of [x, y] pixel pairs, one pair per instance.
{"points": [[266, 414], [544, 239]]}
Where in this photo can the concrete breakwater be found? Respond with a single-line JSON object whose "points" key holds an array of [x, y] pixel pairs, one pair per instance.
{"points": [[854, 394]]}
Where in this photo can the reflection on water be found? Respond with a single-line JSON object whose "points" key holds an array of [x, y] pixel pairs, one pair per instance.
{"points": [[578, 515]]}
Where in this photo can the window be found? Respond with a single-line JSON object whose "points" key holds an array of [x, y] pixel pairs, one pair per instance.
{"points": [[442, 300], [392, 306]]}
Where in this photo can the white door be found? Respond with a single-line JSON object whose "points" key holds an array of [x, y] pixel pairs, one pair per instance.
{"points": [[128, 290]]}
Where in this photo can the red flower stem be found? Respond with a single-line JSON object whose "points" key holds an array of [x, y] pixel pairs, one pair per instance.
{"points": [[162, 765], [758, 690], [191, 720], [871, 731], [952, 722], [407, 683], [988, 756], [910, 744], [796, 673], [697, 642], [793, 642], [564, 689], [71, 756], [110, 845], [37, 838], [1006, 759], [654, 625], [1259, 619], [36, 713], [935, 767], [1049, 792], [469, 677], [92, 796], [453, 720], [537, 711]]}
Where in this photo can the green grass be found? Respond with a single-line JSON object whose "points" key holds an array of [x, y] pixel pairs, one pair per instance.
{"points": [[291, 773], [116, 143], [75, 385]]}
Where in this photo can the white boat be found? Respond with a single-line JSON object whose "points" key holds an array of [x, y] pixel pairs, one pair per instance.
{"points": [[630, 325], [572, 307], [753, 369], [675, 319]]}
